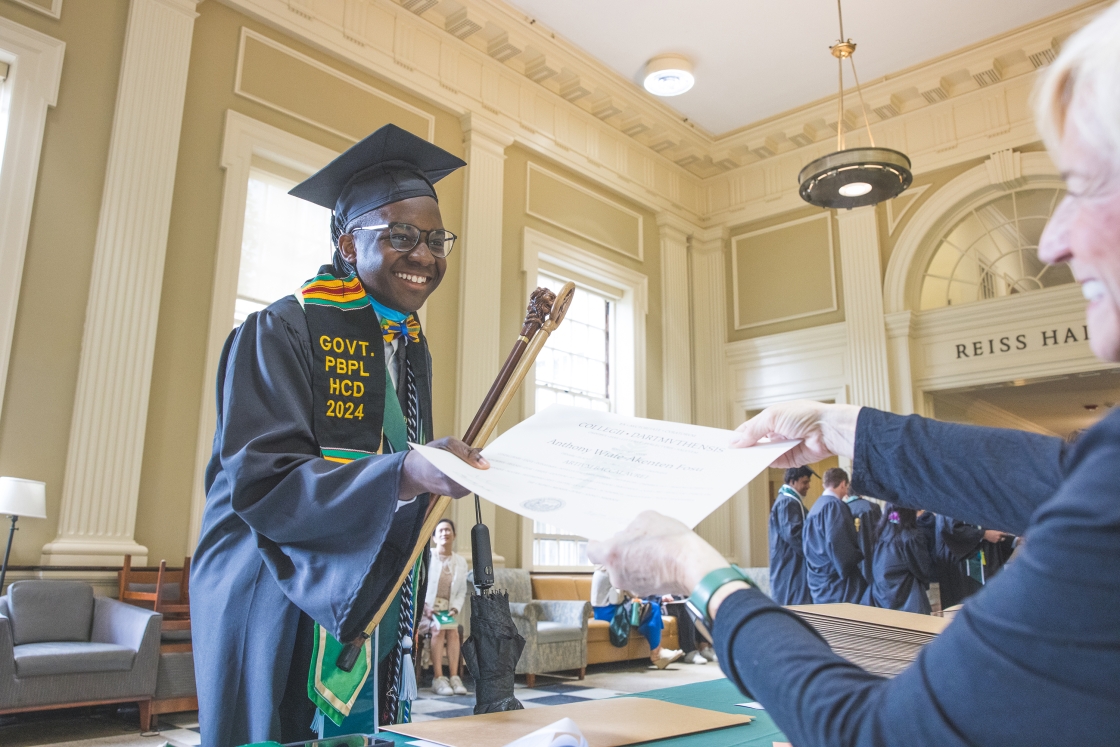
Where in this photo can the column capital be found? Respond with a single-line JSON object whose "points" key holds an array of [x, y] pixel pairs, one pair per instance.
{"points": [[669, 224], [710, 240], [186, 7], [860, 213], [899, 324], [485, 133]]}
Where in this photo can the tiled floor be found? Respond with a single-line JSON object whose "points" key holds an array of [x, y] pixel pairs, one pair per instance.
{"points": [[116, 726]]}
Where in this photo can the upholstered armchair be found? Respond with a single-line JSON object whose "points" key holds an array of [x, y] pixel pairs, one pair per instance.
{"points": [[60, 647], [555, 632]]}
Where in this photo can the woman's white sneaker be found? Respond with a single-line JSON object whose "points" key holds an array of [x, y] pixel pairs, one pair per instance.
{"points": [[457, 686], [440, 686]]}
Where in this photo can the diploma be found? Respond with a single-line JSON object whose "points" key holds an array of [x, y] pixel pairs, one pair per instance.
{"points": [[590, 473]]}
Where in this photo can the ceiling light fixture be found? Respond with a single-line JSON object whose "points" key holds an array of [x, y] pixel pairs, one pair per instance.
{"points": [[668, 75], [853, 177]]}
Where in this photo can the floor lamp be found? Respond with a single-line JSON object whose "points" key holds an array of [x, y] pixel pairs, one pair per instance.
{"points": [[19, 497]]}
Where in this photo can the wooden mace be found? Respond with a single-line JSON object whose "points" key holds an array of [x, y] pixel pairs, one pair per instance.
{"points": [[543, 315]]}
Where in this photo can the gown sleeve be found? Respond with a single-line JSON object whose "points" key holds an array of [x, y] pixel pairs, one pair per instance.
{"points": [[956, 470], [1045, 627], [791, 521], [843, 542], [330, 533], [918, 558]]}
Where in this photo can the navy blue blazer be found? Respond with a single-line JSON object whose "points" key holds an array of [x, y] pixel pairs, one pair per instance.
{"points": [[1046, 628]]}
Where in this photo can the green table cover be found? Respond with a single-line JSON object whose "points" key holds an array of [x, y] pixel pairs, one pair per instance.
{"points": [[716, 695]]}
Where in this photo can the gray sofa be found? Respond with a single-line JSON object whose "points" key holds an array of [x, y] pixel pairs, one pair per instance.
{"points": [[60, 646], [555, 632]]}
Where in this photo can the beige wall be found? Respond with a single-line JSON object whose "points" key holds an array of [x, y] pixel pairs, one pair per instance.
{"points": [[515, 219], [177, 376], [786, 275], [43, 372], [35, 421]]}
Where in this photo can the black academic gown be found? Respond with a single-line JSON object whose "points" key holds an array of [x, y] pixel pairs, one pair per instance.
{"points": [[284, 531], [954, 543], [832, 556], [787, 558], [868, 513], [903, 570]]}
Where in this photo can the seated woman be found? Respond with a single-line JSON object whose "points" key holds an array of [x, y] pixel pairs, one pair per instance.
{"points": [[447, 592], [903, 564], [605, 601]]}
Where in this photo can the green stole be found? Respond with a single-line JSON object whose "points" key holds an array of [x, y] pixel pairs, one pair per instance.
{"points": [[352, 390]]}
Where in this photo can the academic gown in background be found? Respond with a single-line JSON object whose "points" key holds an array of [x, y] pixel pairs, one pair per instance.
{"points": [[903, 570], [868, 513], [832, 556], [954, 543], [787, 558], [284, 532]]}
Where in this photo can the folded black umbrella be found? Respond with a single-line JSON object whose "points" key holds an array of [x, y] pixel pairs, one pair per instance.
{"points": [[492, 652]]}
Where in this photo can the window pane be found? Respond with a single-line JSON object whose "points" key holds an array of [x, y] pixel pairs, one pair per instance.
{"points": [[993, 252], [284, 242], [573, 369]]}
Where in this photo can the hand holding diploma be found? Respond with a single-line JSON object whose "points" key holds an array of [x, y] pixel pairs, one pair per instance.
{"points": [[589, 473]]}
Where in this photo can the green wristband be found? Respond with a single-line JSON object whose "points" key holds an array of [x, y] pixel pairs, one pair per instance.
{"points": [[702, 594]]}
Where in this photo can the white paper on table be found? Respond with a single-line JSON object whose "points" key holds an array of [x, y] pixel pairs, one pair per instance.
{"points": [[423, 743], [753, 704], [590, 473], [562, 733]]}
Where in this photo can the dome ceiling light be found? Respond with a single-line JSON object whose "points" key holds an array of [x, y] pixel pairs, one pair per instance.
{"points": [[668, 75], [853, 177]]}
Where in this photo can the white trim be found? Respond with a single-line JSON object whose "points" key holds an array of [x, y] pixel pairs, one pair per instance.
{"points": [[55, 11], [580, 188], [826, 216], [243, 139], [804, 364], [632, 286], [902, 286], [911, 196], [31, 87], [312, 62]]}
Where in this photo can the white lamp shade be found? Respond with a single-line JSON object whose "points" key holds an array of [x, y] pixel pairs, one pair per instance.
{"points": [[19, 497]]}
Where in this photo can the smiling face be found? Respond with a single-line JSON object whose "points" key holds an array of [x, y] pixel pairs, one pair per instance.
{"points": [[1085, 232], [400, 280], [444, 535]]}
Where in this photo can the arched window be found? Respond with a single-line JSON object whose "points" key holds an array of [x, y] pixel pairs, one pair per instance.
{"points": [[992, 251]]}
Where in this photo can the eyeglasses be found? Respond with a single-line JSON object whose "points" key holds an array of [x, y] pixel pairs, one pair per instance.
{"points": [[404, 237]]}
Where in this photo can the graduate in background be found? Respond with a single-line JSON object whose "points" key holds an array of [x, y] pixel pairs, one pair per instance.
{"points": [[866, 515], [787, 557], [314, 501], [903, 563], [832, 556], [960, 563]]}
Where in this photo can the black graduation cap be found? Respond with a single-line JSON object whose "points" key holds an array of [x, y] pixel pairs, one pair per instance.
{"points": [[388, 166]]}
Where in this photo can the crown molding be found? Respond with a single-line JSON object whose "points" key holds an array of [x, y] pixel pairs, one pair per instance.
{"points": [[417, 52], [558, 100]]}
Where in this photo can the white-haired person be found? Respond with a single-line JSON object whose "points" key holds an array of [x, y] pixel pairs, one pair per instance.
{"points": [[1047, 628]]}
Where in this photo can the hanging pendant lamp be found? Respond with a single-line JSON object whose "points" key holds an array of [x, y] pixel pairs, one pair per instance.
{"points": [[853, 177]]}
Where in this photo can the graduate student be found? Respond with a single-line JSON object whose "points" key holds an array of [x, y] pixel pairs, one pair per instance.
{"points": [[314, 501], [866, 515], [903, 563], [833, 561], [787, 556], [1045, 628]]}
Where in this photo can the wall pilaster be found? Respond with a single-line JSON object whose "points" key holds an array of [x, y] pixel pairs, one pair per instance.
{"points": [[101, 484], [863, 308], [480, 349], [676, 337], [712, 393]]}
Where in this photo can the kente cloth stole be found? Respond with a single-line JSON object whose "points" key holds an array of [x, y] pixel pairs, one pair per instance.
{"points": [[357, 414]]}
